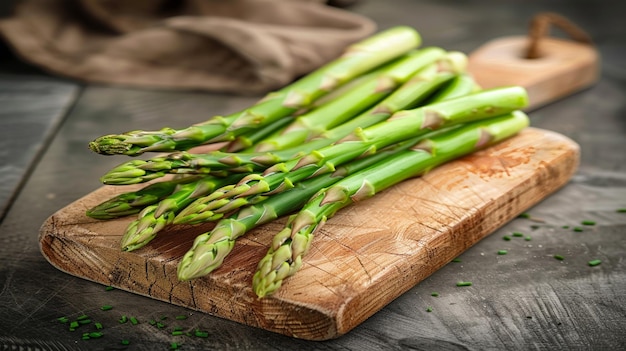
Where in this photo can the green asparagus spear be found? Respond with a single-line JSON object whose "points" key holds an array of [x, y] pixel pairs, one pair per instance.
{"points": [[351, 103], [400, 126], [208, 206], [210, 249], [245, 142], [132, 202], [437, 68], [359, 58], [154, 218], [284, 257]]}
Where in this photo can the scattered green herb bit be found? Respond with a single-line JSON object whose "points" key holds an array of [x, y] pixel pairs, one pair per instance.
{"points": [[535, 227], [456, 260], [524, 215], [588, 223], [565, 227], [63, 319], [163, 318], [109, 288], [106, 307], [578, 229], [177, 332], [435, 294], [134, 320], [74, 325], [123, 319], [160, 325], [178, 328], [502, 252], [152, 322], [464, 284], [528, 238], [429, 309], [95, 335], [174, 346], [84, 321], [98, 326], [201, 334], [621, 210], [518, 234], [594, 262], [86, 337], [506, 238], [125, 342], [80, 318], [181, 317], [559, 257]]}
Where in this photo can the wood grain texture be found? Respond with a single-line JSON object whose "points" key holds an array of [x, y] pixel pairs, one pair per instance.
{"points": [[564, 67], [365, 257], [31, 110]]}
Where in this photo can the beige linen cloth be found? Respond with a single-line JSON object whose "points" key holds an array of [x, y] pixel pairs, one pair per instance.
{"points": [[235, 46]]}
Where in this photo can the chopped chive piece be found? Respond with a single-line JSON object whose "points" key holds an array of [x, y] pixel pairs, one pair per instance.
{"points": [[74, 325], [524, 215], [565, 227], [506, 238], [528, 238], [535, 227], [464, 284], [177, 332], [559, 257], [106, 307], [123, 319], [181, 317], [518, 234], [588, 223], [134, 320], [80, 318], [429, 309], [109, 288], [163, 318], [84, 321], [95, 335], [178, 328], [621, 210], [594, 262], [85, 337], [173, 346], [201, 334], [125, 342], [63, 319], [152, 322], [502, 252], [160, 325], [456, 260], [435, 294], [98, 326], [578, 229]]}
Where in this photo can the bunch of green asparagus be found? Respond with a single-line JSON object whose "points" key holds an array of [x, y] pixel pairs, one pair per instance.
{"points": [[383, 112]]}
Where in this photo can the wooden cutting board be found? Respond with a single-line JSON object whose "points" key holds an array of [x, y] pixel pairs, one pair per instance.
{"points": [[365, 257]]}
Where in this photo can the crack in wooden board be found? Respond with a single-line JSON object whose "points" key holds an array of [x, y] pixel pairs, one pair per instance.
{"points": [[362, 259]]}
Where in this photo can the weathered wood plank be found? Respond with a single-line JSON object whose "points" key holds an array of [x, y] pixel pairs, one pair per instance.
{"points": [[32, 109]]}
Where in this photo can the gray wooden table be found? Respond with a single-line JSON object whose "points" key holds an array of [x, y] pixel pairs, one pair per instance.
{"points": [[523, 300]]}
